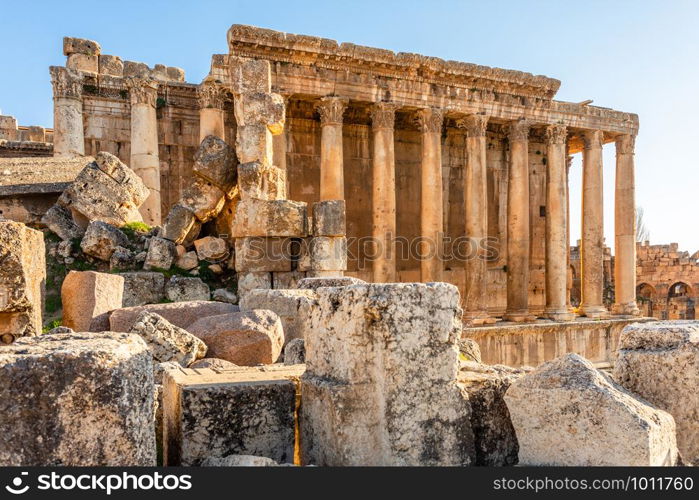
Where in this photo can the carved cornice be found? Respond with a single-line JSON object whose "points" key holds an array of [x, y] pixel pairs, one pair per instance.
{"points": [[142, 91], [383, 115], [625, 144], [556, 134], [66, 82], [331, 109], [430, 120], [592, 139], [475, 125], [211, 95], [518, 130]]}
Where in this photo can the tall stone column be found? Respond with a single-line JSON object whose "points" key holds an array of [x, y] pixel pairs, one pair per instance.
{"points": [[279, 143], [212, 98], [68, 134], [556, 225], [431, 218], [625, 229], [518, 224], [476, 224], [384, 193], [332, 178], [144, 144], [592, 248], [569, 274]]}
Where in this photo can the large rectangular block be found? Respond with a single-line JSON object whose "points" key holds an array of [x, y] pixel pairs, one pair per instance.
{"points": [[86, 295], [253, 142], [260, 108], [323, 253], [262, 182], [257, 254], [329, 218], [249, 75], [286, 303], [269, 218], [216, 413]]}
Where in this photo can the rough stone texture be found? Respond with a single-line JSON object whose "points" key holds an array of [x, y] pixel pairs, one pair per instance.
{"points": [[469, 350], [187, 261], [211, 249], [258, 254], [110, 65], [180, 314], [329, 218], [214, 364], [93, 391], [380, 386], [245, 338], [241, 411], [215, 162], [295, 352], [143, 288], [181, 289], [285, 303], [161, 254], [59, 220], [253, 108], [253, 281], [249, 75], [178, 224], [166, 341], [121, 259], [263, 182], [239, 461], [269, 218], [101, 239], [660, 362], [315, 283], [22, 279], [287, 280], [80, 46], [254, 143], [323, 253], [568, 413], [204, 199], [223, 295], [59, 329], [88, 294]]}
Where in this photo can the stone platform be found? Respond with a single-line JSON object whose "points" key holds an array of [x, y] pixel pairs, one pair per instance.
{"points": [[530, 344]]}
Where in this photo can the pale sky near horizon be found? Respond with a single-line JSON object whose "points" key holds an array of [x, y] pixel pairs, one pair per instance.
{"points": [[637, 56]]}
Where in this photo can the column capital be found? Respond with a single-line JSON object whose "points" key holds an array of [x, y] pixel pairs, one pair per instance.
{"points": [[518, 130], [66, 82], [625, 144], [142, 90], [211, 95], [592, 139], [430, 119], [475, 125], [331, 109], [383, 115], [556, 134]]}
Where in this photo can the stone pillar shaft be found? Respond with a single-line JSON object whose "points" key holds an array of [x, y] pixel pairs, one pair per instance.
{"points": [[212, 98], [556, 225], [431, 218], [592, 248], [625, 229], [384, 193], [68, 134], [332, 180]]}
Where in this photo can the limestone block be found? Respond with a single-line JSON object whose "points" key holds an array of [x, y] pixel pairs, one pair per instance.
{"points": [[257, 254], [315, 283], [161, 254], [287, 280], [295, 352], [136, 69], [285, 303], [59, 220], [214, 161], [213, 364], [245, 338], [211, 249], [249, 75], [223, 295], [262, 182], [180, 314], [166, 341], [204, 199], [380, 384], [269, 218], [111, 65], [8, 128], [323, 253], [182, 289], [175, 74], [101, 239], [247, 411], [80, 46], [329, 218], [121, 259], [469, 350], [254, 143], [260, 108], [187, 261], [253, 281], [567, 413], [88, 294], [143, 288], [22, 278], [178, 224], [83, 62], [95, 393], [659, 361], [239, 461]]}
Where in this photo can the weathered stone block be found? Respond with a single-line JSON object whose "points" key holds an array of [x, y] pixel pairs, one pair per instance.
{"points": [[204, 199], [335, 281], [187, 261], [260, 108], [659, 361], [567, 413], [295, 352], [214, 161], [213, 364], [88, 294], [211, 249], [121, 259], [253, 281], [22, 278], [59, 220], [183, 289], [223, 295], [249, 75], [166, 341], [83, 62], [80, 46], [143, 288], [253, 143], [287, 280], [323, 253], [178, 224], [329, 218], [269, 218], [101, 239], [245, 338], [258, 254], [93, 391], [262, 182], [181, 314], [242, 411], [285, 303], [239, 461], [111, 65], [161, 254]]}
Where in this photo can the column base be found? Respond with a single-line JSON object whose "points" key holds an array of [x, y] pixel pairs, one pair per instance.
{"points": [[518, 316], [594, 312], [476, 318], [559, 314], [628, 309]]}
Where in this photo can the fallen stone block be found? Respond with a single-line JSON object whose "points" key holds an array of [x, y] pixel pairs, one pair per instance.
{"points": [[329, 218], [22, 278], [161, 254], [295, 352], [211, 249], [182, 289], [143, 288], [223, 295], [246, 411], [94, 392], [659, 361], [260, 108], [88, 294], [178, 224], [166, 341], [253, 281], [269, 218], [203, 199], [567, 413], [259, 254], [315, 283], [59, 220], [213, 364], [262, 182], [244, 338], [215, 162], [121, 259], [187, 261], [180, 314], [285, 303], [101, 239]]}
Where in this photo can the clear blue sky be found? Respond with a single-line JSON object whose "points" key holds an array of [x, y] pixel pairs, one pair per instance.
{"points": [[639, 56]]}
